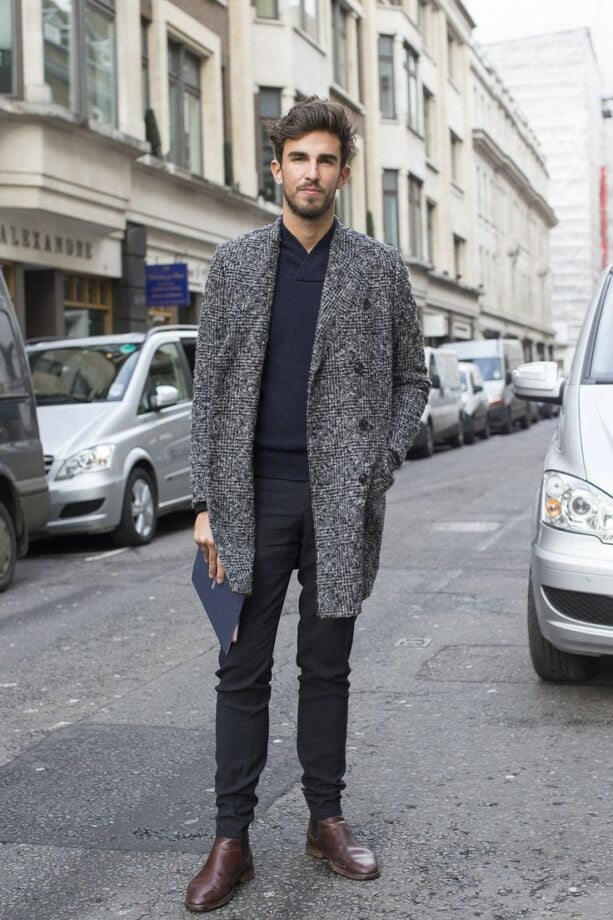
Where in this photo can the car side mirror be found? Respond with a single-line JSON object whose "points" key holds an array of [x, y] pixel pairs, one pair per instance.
{"points": [[436, 381], [164, 396], [477, 388], [539, 381]]}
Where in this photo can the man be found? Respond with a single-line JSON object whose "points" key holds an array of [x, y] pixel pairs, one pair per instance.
{"points": [[309, 387]]}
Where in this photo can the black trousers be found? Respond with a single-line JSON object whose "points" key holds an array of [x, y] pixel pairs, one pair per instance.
{"points": [[284, 541]]}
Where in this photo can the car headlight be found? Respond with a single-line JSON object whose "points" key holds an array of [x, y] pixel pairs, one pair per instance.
{"points": [[91, 460], [576, 505]]}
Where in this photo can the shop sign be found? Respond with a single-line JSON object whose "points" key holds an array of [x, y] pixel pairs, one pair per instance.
{"points": [[167, 285], [36, 243]]}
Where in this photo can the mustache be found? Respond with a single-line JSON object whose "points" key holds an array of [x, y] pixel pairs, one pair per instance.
{"points": [[310, 186]]}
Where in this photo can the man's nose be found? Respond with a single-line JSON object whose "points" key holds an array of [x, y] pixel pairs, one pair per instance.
{"points": [[313, 170]]}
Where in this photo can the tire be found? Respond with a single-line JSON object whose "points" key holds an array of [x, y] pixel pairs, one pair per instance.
{"points": [[428, 449], [549, 662], [507, 426], [139, 513], [486, 431], [8, 548], [457, 440], [525, 422], [469, 431]]}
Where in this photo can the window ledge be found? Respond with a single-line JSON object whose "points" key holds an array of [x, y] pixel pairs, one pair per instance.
{"points": [[269, 21], [414, 131], [457, 188], [347, 97], [432, 165], [309, 38], [454, 85], [390, 120]]}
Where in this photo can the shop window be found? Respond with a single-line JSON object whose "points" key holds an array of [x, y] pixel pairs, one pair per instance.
{"points": [[87, 305], [79, 50], [269, 107], [8, 48], [185, 107]]}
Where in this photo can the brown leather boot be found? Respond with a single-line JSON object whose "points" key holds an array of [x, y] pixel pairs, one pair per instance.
{"points": [[230, 862], [332, 839]]}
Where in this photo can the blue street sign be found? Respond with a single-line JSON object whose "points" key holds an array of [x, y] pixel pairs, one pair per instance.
{"points": [[166, 285]]}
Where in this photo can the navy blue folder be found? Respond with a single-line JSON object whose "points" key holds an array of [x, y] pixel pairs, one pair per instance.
{"points": [[222, 605]]}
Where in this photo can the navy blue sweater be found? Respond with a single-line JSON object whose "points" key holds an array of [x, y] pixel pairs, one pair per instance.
{"points": [[280, 449]]}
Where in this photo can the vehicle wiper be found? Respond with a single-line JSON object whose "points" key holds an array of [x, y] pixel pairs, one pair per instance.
{"points": [[59, 398]]}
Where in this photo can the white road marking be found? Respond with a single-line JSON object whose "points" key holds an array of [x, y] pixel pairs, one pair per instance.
{"points": [[466, 527], [510, 524], [108, 553]]}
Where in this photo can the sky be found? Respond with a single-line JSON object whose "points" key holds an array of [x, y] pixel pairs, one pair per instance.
{"points": [[498, 20]]}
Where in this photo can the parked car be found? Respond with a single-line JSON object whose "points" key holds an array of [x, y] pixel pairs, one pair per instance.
{"points": [[24, 496], [496, 359], [474, 403], [570, 595], [114, 414], [442, 421]]}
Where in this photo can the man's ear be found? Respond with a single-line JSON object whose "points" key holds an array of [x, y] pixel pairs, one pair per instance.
{"points": [[343, 178], [277, 172]]}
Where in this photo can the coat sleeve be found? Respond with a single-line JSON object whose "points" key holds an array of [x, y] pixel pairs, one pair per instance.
{"points": [[209, 332], [410, 381]]}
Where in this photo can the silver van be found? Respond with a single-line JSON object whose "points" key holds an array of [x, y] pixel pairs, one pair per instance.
{"points": [[24, 497], [570, 597], [497, 359], [442, 421], [114, 414]]}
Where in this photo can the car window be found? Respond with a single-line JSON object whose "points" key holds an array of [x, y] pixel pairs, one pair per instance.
{"points": [[85, 373], [464, 381], [491, 368], [602, 355], [11, 373], [166, 369], [189, 347]]}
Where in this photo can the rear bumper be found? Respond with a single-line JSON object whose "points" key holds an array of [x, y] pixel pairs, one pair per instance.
{"points": [[577, 615]]}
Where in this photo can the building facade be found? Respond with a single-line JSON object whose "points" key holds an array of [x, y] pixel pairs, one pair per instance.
{"points": [[133, 133], [556, 81]]}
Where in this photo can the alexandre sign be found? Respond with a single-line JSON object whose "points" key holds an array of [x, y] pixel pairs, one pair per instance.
{"points": [[28, 238]]}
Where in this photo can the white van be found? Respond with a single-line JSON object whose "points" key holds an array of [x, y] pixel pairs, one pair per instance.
{"points": [[442, 420], [497, 359]]}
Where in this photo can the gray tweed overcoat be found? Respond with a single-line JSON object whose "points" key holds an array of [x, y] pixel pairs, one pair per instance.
{"points": [[366, 393]]}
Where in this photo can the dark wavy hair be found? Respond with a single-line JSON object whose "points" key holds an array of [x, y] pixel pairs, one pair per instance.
{"points": [[313, 114]]}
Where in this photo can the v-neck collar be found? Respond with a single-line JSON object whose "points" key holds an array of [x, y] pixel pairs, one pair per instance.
{"points": [[289, 239]]}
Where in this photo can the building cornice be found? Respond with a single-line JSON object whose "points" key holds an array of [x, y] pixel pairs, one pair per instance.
{"points": [[501, 161]]}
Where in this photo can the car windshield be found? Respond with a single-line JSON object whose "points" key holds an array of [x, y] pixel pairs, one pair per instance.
{"points": [[463, 381], [85, 373], [602, 356], [491, 368]]}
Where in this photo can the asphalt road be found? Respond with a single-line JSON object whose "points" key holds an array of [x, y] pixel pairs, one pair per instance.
{"points": [[485, 792]]}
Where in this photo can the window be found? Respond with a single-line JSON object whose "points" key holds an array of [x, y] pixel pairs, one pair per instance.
{"points": [[430, 231], [386, 76], [390, 207], [458, 256], [267, 9], [344, 210], [8, 48], [456, 158], [168, 370], [185, 108], [305, 16], [144, 62], [423, 21], [452, 55], [87, 305], [339, 44], [79, 49], [415, 219], [269, 106], [410, 73], [429, 124]]}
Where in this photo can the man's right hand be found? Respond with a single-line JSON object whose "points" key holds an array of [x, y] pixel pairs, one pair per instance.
{"points": [[204, 538]]}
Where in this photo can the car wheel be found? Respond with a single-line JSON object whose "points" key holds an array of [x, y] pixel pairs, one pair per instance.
{"points": [[549, 662], [486, 431], [525, 421], [469, 429], [428, 447], [458, 438], [8, 548], [506, 427], [139, 513]]}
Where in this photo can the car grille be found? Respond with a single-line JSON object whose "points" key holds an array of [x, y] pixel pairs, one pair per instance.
{"points": [[48, 462], [587, 608]]}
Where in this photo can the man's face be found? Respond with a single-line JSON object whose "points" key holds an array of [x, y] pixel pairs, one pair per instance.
{"points": [[311, 173]]}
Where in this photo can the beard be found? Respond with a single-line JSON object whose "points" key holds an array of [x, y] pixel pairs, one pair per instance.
{"points": [[309, 210]]}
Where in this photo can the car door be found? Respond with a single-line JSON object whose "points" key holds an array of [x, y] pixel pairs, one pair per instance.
{"points": [[167, 431]]}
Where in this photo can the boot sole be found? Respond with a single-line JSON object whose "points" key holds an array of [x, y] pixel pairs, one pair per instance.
{"points": [[247, 875], [319, 854]]}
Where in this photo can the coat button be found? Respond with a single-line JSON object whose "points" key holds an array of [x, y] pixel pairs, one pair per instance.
{"points": [[363, 423], [358, 367], [363, 479]]}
